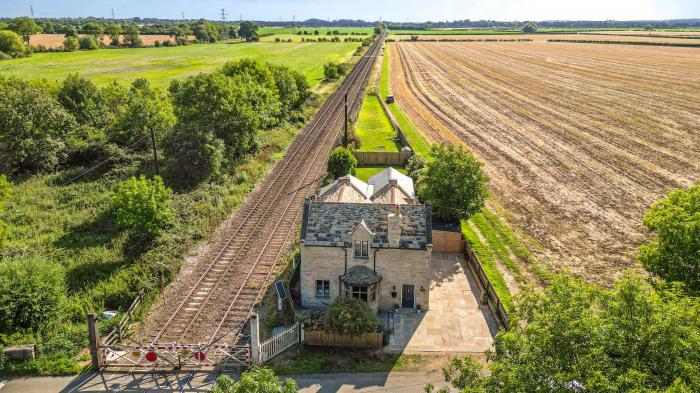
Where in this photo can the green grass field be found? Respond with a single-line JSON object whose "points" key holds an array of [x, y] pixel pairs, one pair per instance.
{"points": [[364, 172], [160, 65], [321, 30], [374, 128], [418, 142]]}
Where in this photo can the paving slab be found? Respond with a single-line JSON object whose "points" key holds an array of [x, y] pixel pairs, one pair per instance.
{"points": [[455, 322]]}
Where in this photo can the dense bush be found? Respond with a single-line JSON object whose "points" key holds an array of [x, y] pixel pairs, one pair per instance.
{"points": [[258, 380], [577, 337], [143, 205], [350, 316], [415, 166], [88, 43], [33, 127], [454, 183], [330, 71], [71, 44], [194, 156], [11, 43], [81, 98], [31, 293], [341, 162], [674, 254], [142, 109]]}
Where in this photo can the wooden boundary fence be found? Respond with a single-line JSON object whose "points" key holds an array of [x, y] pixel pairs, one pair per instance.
{"points": [[323, 338], [488, 292], [118, 332], [382, 157]]}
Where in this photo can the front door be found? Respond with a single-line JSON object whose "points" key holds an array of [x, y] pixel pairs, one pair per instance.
{"points": [[407, 297]]}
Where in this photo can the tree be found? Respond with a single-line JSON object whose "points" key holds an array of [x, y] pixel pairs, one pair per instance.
{"points": [[330, 70], [11, 43], [70, 31], [258, 380], [33, 128], [454, 183], [349, 316], [577, 337], [145, 109], [529, 28], [25, 27], [341, 162], [292, 87], [233, 108], [648, 28], [88, 43], [114, 30], [5, 193], [194, 155], [248, 30], [71, 43], [94, 29], [143, 205], [31, 293], [180, 32], [131, 36], [674, 253], [83, 100]]}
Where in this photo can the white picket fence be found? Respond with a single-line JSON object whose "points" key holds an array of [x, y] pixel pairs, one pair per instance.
{"points": [[281, 342]]}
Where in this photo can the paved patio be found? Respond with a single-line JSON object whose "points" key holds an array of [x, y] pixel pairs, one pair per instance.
{"points": [[456, 322]]}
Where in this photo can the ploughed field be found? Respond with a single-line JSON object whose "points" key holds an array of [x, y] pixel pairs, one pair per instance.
{"points": [[578, 140], [660, 37]]}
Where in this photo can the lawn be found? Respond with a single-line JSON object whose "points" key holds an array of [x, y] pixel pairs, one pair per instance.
{"points": [[364, 172], [374, 128], [160, 65], [418, 142]]}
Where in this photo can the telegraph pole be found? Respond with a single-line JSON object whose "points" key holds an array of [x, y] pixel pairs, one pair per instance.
{"points": [[345, 139], [155, 151]]}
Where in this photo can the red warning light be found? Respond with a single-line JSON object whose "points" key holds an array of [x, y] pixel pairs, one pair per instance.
{"points": [[200, 355]]}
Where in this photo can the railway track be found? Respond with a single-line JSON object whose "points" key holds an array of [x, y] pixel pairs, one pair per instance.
{"points": [[214, 302]]}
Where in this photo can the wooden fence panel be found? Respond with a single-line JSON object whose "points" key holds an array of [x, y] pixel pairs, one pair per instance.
{"points": [[382, 157], [328, 339]]}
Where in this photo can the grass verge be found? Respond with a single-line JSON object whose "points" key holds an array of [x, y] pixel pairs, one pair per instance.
{"points": [[417, 141], [374, 128]]}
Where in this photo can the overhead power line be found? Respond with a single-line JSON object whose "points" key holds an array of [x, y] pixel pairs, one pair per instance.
{"points": [[224, 14]]}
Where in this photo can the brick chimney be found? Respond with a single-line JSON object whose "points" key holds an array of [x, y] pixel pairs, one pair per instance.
{"points": [[394, 227]]}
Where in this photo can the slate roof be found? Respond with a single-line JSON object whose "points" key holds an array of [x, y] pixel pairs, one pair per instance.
{"points": [[351, 189], [361, 275], [331, 224]]}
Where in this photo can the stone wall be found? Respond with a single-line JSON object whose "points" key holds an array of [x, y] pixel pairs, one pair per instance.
{"points": [[396, 266]]}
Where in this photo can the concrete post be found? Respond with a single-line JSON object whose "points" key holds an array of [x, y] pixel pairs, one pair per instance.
{"points": [[94, 338], [255, 339]]}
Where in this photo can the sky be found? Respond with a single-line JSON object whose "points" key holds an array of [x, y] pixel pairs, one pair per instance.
{"points": [[371, 10]]}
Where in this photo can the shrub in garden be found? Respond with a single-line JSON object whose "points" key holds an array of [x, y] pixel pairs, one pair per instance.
{"points": [[415, 166], [341, 162], [350, 316], [674, 253], [31, 293], [454, 183], [143, 205]]}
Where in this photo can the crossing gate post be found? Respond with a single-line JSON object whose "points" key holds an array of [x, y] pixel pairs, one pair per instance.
{"points": [[94, 337], [255, 339]]}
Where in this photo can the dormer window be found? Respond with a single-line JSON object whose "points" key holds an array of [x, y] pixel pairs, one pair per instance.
{"points": [[361, 249]]}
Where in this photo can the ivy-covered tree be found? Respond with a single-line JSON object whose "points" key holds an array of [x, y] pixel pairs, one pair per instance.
{"points": [[143, 205], [454, 182], [674, 253], [33, 127]]}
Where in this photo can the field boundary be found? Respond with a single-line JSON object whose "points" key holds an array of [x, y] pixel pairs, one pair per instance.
{"points": [[643, 43]]}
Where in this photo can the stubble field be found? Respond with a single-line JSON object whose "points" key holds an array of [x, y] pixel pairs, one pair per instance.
{"points": [[578, 140]]}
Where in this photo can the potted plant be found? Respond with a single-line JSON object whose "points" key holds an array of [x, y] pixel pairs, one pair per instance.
{"points": [[419, 308], [396, 306]]}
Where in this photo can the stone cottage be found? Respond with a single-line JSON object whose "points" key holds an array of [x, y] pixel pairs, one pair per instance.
{"points": [[370, 241]]}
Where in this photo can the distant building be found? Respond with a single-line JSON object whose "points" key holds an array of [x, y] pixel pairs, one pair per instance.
{"points": [[371, 241]]}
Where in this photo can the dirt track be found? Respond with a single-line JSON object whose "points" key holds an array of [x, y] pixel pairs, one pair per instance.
{"points": [[578, 140]]}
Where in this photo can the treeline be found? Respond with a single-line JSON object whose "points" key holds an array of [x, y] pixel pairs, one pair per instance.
{"points": [[204, 122], [415, 38], [645, 43]]}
